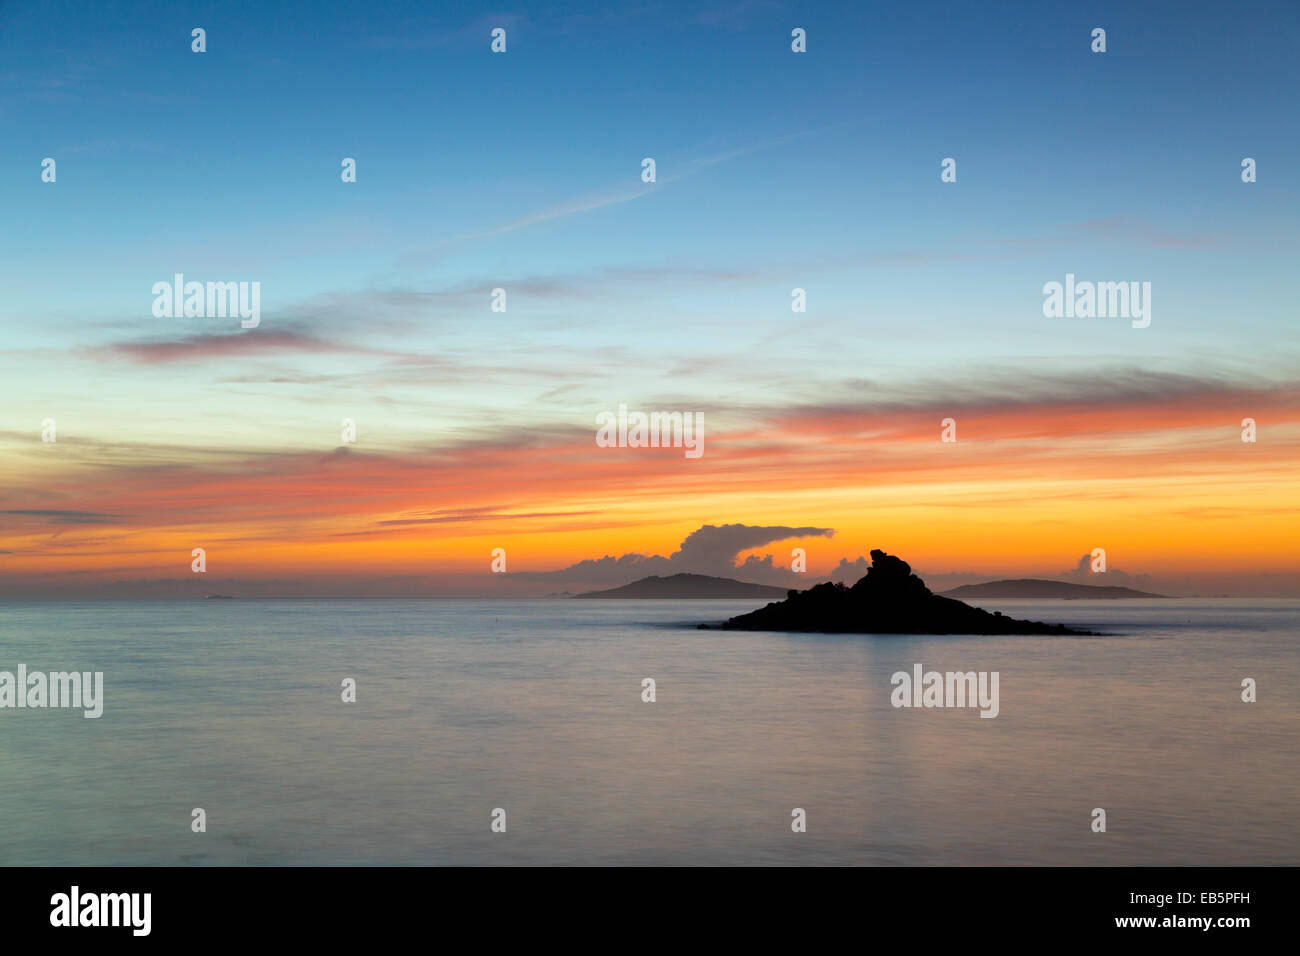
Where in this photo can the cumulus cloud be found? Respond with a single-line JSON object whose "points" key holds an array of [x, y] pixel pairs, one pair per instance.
{"points": [[850, 572], [1082, 573], [710, 549]]}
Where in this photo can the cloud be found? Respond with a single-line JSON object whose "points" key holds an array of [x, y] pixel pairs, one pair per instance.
{"points": [[1143, 233], [616, 196], [716, 546], [1113, 393], [1112, 229], [850, 572], [1082, 573], [56, 516], [478, 514], [197, 348], [710, 549]]}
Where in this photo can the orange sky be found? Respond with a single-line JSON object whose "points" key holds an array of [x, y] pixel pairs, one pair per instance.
{"points": [[1169, 489]]}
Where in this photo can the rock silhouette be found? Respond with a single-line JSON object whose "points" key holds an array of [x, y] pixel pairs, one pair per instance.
{"points": [[890, 599]]}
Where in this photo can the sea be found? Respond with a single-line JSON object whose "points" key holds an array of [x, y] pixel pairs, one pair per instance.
{"points": [[488, 733]]}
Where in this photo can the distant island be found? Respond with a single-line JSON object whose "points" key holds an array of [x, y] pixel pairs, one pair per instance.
{"points": [[1037, 588], [687, 587], [890, 599]]}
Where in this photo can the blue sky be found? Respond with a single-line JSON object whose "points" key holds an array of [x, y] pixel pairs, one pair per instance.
{"points": [[227, 162], [776, 170]]}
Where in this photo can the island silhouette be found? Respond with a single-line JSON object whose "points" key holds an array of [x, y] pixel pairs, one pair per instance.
{"points": [[889, 599], [687, 587], [1037, 588]]}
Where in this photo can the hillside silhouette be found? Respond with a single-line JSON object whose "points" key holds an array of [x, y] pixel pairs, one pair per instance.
{"points": [[1038, 588], [687, 587]]}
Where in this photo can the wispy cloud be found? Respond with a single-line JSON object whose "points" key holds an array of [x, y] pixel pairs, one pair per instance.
{"points": [[618, 195], [1111, 229], [57, 516], [195, 348]]}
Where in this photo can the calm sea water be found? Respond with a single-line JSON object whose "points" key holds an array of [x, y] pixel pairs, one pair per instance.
{"points": [[535, 707]]}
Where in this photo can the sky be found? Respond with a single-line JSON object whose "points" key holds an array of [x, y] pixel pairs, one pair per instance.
{"points": [[475, 429]]}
